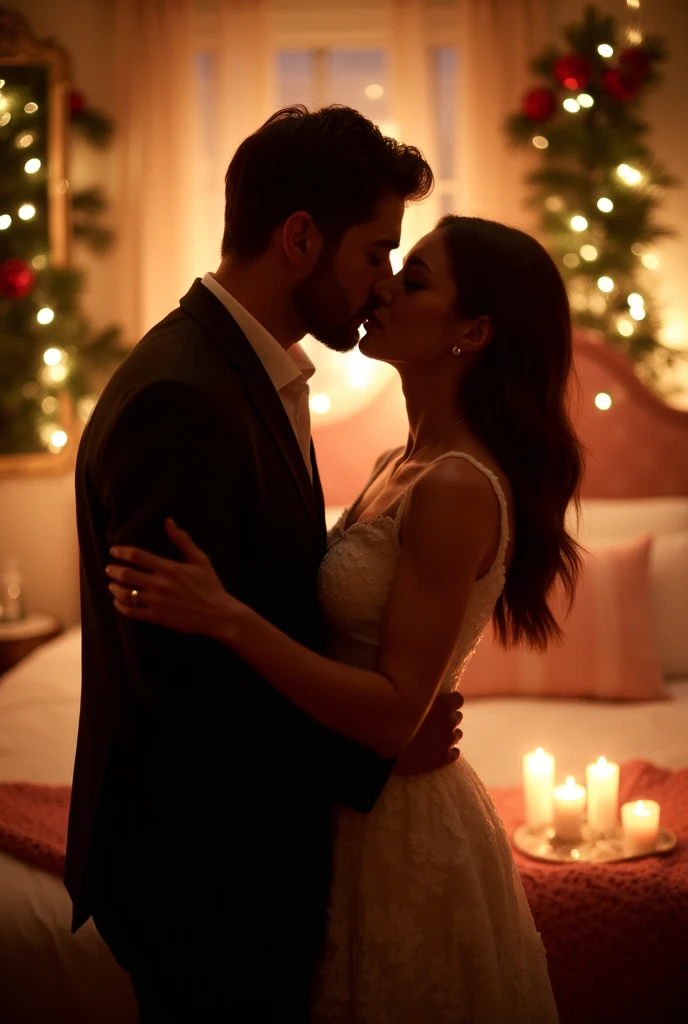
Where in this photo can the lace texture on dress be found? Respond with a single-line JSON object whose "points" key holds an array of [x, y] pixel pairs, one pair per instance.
{"points": [[428, 920]]}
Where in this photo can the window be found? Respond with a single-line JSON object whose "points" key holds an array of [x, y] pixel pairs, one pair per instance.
{"points": [[318, 54]]}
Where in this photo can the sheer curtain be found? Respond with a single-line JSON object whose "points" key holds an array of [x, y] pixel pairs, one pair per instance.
{"points": [[413, 100], [194, 77], [496, 40], [192, 81]]}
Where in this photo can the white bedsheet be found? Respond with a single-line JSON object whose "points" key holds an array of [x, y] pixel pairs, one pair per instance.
{"points": [[46, 973], [39, 711], [39, 708], [498, 731]]}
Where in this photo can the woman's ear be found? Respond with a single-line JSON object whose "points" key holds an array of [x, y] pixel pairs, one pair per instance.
{"points": [[302, 241], [475, 334]]}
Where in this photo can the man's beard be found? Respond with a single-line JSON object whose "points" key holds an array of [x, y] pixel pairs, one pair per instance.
{"points": [[324, 308]]}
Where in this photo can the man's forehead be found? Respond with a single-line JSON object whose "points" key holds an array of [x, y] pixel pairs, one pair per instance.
{"points": [[384, 233], [385, 227]]}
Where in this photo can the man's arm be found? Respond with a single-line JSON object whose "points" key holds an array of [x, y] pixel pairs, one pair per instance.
{"points": [[166, 455]]}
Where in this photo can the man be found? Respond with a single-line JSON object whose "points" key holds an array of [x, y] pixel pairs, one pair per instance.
{"points": [[199, 834]]}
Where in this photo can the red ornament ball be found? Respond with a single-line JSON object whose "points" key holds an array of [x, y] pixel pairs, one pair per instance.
{"points": [[574, 71], [620, 84], [16, 279], [77, 102], [636, 62], [539, 104]]}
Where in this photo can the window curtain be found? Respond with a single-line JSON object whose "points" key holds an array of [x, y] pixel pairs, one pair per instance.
{"points": [[192, 81], [496, 40], [412, 101]]}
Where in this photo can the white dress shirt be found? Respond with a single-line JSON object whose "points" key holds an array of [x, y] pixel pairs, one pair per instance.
{"points": [[288, 370]]}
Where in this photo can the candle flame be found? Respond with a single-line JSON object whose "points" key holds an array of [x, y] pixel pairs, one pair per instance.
{"points": [[570, 791], [601, 762], [641, 810], [539, 762]]}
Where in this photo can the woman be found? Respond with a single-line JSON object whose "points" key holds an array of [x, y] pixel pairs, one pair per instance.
{"points": [[428, 918]]}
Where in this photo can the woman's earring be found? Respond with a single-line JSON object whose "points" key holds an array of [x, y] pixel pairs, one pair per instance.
{"points": [[456, 350]]}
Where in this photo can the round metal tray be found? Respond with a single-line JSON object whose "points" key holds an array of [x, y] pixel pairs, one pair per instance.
{"points": [[593, 848]]}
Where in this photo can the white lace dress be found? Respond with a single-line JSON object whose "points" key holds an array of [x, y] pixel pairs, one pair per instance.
{"points": [[428, 920]]}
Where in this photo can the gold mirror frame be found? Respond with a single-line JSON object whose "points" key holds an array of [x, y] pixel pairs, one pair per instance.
{"points": [[19, 47]]}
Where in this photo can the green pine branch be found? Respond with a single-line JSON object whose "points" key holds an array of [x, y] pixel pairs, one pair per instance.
{"points": [[49, 350], [95, 127], [583, 157], [89, 200], [94, 237]]}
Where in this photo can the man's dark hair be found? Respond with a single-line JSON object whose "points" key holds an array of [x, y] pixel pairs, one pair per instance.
{"points": [[333, 163]]}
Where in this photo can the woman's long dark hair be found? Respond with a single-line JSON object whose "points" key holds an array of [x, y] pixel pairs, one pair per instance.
{"points": [[516, 399]]}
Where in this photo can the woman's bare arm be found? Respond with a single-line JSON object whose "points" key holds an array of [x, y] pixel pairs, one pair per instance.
{"points": [[451, 526]]}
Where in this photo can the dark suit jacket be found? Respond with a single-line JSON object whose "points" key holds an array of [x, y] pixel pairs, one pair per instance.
{"points": [[192, 774]]}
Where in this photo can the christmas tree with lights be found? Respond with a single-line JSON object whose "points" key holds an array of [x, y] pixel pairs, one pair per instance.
{"points": [[598, 186], [51, 359]]}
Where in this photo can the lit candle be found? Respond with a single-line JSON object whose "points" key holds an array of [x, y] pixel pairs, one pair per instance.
{"points": [[538, 783], [640, 822], [602, 781], [569, 808]]}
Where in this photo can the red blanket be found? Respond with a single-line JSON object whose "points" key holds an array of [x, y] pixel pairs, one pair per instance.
{"points": [[33, 823], [616, 934]]}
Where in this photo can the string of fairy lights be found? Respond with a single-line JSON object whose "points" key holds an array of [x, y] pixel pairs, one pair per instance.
{"points": [[56, 369], [51, 357], [629, 176]]}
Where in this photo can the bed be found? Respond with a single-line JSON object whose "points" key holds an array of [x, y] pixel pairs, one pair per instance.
{"points": [[639, 451]]}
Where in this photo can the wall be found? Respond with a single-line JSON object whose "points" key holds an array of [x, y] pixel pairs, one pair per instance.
{"points": [[37, 527]]}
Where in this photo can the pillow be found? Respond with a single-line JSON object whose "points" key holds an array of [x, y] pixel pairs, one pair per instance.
{"points": [[666, 519], [627, 518], [609, 650], [669, 592]]}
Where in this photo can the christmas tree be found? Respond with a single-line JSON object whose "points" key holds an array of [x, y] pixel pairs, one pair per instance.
{"points": [[51, 359], [598, 186]]}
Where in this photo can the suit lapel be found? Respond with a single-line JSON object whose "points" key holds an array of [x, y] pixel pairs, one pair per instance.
{"points": [[259, 390], [319, 498]]}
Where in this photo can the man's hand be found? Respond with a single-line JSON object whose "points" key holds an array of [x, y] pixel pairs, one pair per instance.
{"points": [[435, 745]]}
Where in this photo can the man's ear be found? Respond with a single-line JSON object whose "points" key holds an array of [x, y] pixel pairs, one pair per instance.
{"points": [[301, 240]]}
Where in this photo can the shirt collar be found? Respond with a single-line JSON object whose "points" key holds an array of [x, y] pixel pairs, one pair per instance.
{"points": [[282, 367]]}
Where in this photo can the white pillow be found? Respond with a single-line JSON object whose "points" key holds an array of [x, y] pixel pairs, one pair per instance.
{"points": [[669, 588], [609, 519]]}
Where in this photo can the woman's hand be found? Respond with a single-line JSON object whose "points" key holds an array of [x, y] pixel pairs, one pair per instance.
{"points": [[186, 596]]}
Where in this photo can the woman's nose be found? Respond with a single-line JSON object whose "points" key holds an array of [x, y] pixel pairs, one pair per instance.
{"points": [[384, 291]]}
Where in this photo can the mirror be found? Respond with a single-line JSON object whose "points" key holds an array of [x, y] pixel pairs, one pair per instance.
{"points": [[36, 417]]}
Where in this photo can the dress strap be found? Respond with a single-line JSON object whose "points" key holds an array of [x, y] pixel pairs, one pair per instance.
{"points": [[494, 480]]}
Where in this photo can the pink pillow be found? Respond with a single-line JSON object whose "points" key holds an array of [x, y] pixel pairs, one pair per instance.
{"points": [[609, 650]]}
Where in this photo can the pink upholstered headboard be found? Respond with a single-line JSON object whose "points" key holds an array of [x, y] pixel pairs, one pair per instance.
{"points": [[639, 446], [636, 448]]}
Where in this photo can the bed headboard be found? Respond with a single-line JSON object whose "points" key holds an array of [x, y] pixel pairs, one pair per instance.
{"points": [[638, 447]]}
